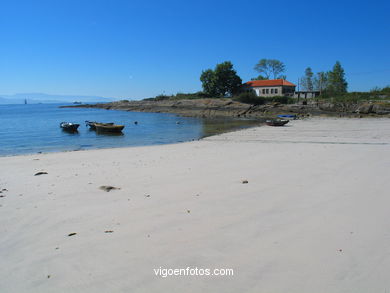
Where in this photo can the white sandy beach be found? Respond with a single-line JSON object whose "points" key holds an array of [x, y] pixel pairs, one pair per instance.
{"points": [[313, 217]]}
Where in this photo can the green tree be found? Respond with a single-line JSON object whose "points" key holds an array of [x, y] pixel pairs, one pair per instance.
{"points": [[336, 80], [221, 81], [307, 80], [208, 82], [268, 67]]}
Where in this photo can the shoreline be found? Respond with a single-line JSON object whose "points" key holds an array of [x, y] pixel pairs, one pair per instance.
{"points": [[226, 107], [287, 208]]}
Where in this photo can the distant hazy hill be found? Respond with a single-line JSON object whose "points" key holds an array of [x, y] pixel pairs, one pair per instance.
{"points": [[33, 98]]}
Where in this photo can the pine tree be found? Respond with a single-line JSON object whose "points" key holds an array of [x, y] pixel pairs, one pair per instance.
{"points": [[337, 83], [307, 80]]}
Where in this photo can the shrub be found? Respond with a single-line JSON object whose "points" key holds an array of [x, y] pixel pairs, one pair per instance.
{"points": [[278, 99], [249, 98], [190, 96], [161, 98]]}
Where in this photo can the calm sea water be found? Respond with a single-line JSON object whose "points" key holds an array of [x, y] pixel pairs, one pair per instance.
{"points": [[35, 128]]}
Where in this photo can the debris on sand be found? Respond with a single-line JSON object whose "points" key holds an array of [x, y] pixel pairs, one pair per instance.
{"points": [[72, 234], [108, 188], [108, 231], [3, 190], [244, 181], [40, 173]]}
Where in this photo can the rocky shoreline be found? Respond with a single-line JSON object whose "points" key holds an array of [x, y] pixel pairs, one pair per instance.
{"points": [[214, 108]]}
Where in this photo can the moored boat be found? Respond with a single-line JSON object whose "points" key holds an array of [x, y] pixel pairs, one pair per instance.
{"points": [[276, 122], [92, 124], [108, 127], [69, 126]]}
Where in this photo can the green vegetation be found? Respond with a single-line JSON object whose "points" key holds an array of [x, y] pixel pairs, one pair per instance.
{"points": [[249, 98], [376, 94], [179, 96], [253, 99], [329, 83], [337, 84], [222, 81]]}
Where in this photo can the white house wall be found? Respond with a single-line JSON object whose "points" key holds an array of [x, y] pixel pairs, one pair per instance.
{"points": [[259, 91]]}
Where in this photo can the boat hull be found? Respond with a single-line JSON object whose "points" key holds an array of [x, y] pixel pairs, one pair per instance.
{"points": [[67, 126], [92, 124], [276, 122], [104, 127]]}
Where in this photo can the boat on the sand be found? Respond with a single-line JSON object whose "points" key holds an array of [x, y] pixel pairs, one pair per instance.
{"points": [[276, 122], [69, 126]]}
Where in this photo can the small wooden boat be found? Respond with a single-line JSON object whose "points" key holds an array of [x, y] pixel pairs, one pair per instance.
{"points": [[92, 124], [69, 126], [108, 127], [276, 122], [288, 116]]}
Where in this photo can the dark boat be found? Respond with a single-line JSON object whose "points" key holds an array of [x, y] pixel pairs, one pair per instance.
{"points": [[108, 127], [68, 126], [92, 124], [276, 122]]}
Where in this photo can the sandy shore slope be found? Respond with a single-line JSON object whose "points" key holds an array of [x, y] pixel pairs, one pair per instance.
{"points": [[313, 217]]}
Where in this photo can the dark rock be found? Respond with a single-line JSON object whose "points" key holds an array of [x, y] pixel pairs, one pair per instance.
{"points": [[365, 108]]}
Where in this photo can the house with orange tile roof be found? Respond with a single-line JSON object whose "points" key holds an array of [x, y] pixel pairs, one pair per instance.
{"points": [[270, 88]]}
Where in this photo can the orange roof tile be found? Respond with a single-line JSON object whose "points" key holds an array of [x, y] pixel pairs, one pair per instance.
{"points": [[270, 82]]}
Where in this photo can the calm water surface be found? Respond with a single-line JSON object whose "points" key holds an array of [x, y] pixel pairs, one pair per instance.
{"points": [[35, 128]]}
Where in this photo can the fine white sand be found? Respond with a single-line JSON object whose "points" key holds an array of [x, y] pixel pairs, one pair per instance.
{"points": [[313, 217]]}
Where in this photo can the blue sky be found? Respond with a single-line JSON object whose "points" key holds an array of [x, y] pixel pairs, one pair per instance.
{"points": [[138, 49]]}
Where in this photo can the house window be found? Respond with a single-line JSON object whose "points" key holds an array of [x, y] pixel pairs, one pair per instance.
{"points": [[263, 91], [267, 91], [276, 91], [272, 91]]}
